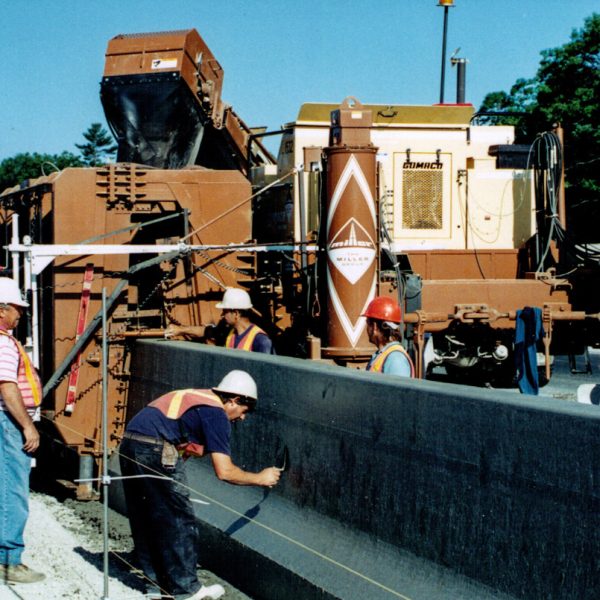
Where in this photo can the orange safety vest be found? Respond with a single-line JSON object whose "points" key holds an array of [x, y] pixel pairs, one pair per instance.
{"points": [[377, 364], [28, 381], [247, 340], [174, 404]]}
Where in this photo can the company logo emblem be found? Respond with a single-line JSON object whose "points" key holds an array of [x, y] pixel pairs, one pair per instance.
{"points": [[352, 250], [430, 166], [163, 63]]}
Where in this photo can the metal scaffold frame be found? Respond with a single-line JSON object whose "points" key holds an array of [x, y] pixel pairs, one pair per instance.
{"points": [[36, 257]]}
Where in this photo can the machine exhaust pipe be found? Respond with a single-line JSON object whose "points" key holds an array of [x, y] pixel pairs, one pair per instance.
{"points": [[461, 78]]}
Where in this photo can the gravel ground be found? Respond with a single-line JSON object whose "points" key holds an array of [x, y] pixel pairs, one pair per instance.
{"points": [[64, 540]]}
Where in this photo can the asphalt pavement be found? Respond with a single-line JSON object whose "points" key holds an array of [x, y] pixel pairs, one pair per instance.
{"points": [[567, 375]]}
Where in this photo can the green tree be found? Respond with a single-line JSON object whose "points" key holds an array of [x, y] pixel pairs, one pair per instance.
{"points": [[565, 90], [516, 108], [99, 148], [20, 167]]}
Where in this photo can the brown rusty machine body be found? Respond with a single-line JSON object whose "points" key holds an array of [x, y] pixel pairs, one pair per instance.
{"points": [[414, 202], [147, 291], [150, 81]]}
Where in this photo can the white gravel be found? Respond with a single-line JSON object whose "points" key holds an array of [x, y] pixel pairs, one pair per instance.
{"points": [[60, 544], [64, 540]]}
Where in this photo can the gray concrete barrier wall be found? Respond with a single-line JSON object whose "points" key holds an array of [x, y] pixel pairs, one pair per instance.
{"points": [[499, 487]]}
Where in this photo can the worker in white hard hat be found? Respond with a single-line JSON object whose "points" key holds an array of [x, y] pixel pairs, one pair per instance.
{"points": [[157, 441], [237, 310], [20, 398]]}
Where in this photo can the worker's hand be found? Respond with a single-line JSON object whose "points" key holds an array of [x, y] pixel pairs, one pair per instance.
{"points": [[172, 331], [32, 438], [269, 477]]}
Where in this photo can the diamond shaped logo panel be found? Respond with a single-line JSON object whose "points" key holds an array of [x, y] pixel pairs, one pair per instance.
{"points": [[351, 246]]}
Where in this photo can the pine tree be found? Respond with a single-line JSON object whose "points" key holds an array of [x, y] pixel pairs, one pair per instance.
{"points": [[99, 148]]}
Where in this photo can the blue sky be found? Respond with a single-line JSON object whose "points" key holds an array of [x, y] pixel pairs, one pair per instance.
{"points": [[275, 54]]}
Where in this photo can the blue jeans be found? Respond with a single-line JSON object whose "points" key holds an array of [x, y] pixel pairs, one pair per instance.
{"points": [[163, 525], [15, 466]]}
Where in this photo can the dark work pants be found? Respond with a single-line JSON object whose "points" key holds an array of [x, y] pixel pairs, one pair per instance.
{"points": [[163, 525]]}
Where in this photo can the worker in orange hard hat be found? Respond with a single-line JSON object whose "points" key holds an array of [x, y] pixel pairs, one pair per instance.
{"points": [[384, 318], [237, 311]]}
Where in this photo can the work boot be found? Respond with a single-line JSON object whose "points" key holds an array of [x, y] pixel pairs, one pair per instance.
{"points": [[208, 591], [19, 574]]}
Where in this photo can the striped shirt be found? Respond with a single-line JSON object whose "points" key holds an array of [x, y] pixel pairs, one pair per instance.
{"points": [[9, 369]]}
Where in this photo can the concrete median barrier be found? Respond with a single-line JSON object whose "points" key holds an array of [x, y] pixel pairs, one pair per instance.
{"points": [[395, 488]]}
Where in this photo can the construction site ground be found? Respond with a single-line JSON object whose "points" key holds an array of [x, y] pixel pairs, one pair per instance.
{"points": [[64, 540]]}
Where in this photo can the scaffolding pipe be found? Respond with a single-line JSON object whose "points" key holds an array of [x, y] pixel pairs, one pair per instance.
{"points": [[105, 478]]}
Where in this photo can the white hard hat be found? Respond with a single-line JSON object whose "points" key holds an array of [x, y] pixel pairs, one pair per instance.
{"points": [[235, 299], [238, 383], [10, 292]]}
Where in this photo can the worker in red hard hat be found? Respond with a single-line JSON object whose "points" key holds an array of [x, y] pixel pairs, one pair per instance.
{"points": [[384, 318], [237, 312], [156, 442]]}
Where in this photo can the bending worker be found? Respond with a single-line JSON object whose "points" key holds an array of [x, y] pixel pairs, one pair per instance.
{"points": [[20, 397], [157, 441], [237, 310], [384, 317]]}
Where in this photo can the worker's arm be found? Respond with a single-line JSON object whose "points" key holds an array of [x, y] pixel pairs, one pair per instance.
{"points": [[227, 471], [14, 404], [190, 331]]}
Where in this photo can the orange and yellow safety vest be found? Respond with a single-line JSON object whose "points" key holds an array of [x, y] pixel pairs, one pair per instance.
{"points": [[28, 381], [174, 404], [247, 340], [377, 364]]}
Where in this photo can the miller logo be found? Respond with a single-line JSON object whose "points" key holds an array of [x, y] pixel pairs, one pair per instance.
{"points": [[352, 250]]}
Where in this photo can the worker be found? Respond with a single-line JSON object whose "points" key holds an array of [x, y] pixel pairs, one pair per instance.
{"points": [[157, 441], [237, 311], [384, 318], [20, 398]]}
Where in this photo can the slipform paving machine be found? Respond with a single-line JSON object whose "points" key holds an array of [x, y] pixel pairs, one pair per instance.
{"points": [[453, 219]]}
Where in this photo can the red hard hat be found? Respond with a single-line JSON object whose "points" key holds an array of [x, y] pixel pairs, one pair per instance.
{"points": [[383, 308]]}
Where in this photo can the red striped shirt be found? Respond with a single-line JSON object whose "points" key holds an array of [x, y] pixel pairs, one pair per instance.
{"points": [[9, 369]]}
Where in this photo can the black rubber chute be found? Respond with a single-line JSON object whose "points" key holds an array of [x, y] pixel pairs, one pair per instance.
{"points": [[155, 118]]}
